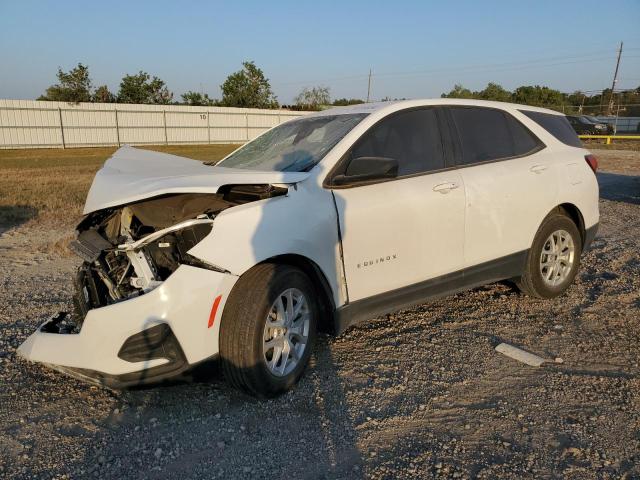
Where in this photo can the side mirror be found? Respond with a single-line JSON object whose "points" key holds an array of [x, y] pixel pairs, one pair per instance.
{"points": [[364, 169]]}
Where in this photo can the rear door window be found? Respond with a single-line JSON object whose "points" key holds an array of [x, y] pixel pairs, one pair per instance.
{"points": [[488, 134], [556, 125]]}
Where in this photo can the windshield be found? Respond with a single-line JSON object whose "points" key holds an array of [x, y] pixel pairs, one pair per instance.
{"points": [[294, 146]]}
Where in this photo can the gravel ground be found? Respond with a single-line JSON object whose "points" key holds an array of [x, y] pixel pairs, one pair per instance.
{"points": [[417, 394]]}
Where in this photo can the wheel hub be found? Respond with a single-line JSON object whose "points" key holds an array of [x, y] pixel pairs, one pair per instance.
{"points": [[286, 332], [557, 257]]}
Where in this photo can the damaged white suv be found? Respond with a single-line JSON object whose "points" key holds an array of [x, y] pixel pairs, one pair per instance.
{"points": [[317, 224]]}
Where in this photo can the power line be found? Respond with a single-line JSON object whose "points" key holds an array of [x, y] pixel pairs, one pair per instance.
{"points": [[592, 55], [600, 90], [519, 65], [490, 68]]}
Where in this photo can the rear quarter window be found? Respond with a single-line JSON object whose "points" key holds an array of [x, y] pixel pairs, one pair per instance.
{"points": [[556, 125]]}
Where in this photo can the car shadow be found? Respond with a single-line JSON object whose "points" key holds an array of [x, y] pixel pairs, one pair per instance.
{"points": [[14, 215], [619, 187], [197, 424]]}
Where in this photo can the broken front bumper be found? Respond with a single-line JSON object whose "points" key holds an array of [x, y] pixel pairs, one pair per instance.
{"points": [[143, 339]]}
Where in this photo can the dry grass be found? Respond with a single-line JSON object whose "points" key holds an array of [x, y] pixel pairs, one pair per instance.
{"points": [[633, 145], [50, 185]]}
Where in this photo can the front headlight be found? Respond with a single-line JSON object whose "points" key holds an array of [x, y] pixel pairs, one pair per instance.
{"points": [[601, 127]]}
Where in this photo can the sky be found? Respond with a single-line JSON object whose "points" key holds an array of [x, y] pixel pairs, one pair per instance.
{"points": [[415, 49]]}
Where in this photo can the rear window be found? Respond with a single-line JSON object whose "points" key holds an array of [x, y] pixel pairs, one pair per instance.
{"points": [[488, 134], [556, 125]]}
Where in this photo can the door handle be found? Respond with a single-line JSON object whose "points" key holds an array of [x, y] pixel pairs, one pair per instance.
{"points": [[538, 168], [445, 187]]}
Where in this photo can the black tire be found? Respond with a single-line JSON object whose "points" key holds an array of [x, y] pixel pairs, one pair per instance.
{"points": [[242, 328], [532, 282]]}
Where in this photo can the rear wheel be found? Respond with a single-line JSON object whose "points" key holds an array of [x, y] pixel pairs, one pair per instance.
{"points": [[268, 329], [554, 258]]}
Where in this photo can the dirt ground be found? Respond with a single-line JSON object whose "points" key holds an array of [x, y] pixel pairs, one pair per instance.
{"points": [[418, 394]]}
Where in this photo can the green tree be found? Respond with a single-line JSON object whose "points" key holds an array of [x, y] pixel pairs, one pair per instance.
{"points": [[458, 91], [197, 99], [341, 102], [494, 92], [313, 98], [539, 96], [629, 102], [576, 102], [103, 95], [143, 88], [73, 86], [248, 88]]}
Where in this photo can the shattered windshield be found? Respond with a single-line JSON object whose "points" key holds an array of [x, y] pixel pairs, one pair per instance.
{"points": [[295, 146]]}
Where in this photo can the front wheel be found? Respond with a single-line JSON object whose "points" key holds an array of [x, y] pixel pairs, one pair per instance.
{"points": [[268, 329], [554, 258]]}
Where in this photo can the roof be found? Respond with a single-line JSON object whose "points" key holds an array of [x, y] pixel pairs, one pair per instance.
{"points": [[401, 104]]}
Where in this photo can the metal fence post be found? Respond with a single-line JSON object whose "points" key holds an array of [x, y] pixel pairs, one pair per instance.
{"points": [[246, 125], [164, 121], [208, 128], [61, 128], [117, 127]]}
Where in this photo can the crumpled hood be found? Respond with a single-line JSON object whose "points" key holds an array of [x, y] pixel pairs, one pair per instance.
{"points": [[132, 174]]}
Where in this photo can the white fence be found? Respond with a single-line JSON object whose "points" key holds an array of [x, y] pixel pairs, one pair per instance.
{"points": [[36, 124]]}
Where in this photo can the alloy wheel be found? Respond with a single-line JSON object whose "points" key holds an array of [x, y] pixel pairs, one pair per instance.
{"points": [[557, 258], [286, 332]]}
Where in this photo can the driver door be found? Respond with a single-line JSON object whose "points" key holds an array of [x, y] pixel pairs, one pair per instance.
{"points": [[399, 232]]}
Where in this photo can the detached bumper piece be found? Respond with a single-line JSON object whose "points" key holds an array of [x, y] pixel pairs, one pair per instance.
{"points": [[157, 342]]}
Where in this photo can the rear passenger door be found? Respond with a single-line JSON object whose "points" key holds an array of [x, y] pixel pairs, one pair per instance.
{"points": [[509, 184], [399, 232]]}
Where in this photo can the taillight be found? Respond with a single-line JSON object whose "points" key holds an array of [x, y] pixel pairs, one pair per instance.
{"points": [[592, 161]]}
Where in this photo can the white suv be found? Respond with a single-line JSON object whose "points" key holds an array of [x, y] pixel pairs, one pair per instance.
{"points": [[319, 223]]}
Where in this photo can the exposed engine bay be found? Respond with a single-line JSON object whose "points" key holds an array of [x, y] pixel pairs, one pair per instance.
{"points": [[131, 249]]}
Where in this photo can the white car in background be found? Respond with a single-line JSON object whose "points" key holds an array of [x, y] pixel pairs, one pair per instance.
{"points": [[319, 223]]}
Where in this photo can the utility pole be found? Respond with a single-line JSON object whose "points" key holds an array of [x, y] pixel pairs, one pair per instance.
{"points": [[615, 79], [369, 87]]}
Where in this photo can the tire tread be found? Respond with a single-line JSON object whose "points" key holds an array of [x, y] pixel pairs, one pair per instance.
{"points": [[526, 283], [238, 328]]}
